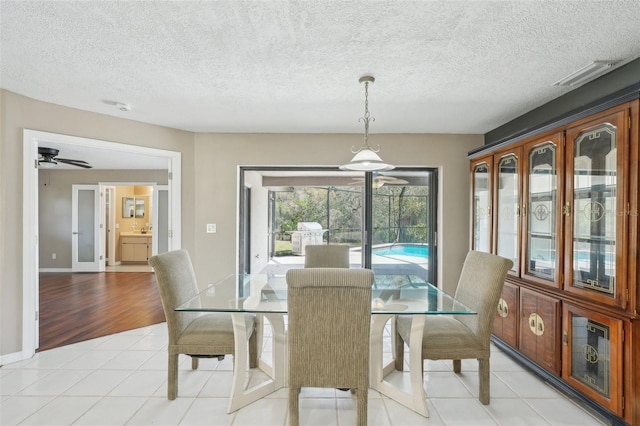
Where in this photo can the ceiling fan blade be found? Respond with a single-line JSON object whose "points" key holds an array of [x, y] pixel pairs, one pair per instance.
{"points": [[396, 181], [77, 163]]}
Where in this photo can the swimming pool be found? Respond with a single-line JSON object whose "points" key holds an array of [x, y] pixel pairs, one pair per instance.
{"points": [[417, 250]]}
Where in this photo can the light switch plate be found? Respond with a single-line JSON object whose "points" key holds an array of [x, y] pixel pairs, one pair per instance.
{"points": [[211, 228]]}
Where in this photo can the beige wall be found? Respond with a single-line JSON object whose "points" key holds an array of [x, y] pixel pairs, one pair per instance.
{"points": [[54, 207], [20, 113], [212, 197], [217, 157]]}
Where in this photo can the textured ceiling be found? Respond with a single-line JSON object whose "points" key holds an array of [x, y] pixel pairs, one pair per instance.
{"points": [[293, 66]]}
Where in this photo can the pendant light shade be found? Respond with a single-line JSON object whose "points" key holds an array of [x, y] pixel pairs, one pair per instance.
{"points": [[366, 159]]}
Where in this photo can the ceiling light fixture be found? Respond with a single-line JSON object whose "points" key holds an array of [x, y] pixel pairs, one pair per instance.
{"points": [[366, 158], [589, 72]]}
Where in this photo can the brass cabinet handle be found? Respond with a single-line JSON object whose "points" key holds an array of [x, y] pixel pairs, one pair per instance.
{"points": [[536, 324], [565, 338], [524, 209], [567, 209]]}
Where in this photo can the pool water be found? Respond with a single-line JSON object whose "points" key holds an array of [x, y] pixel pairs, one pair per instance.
{"points": [[404, 250]]}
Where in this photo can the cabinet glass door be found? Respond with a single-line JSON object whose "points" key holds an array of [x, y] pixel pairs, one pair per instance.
{"points": [[595, 210], [481, 208], [508, 210], [593, 355], [541, 208]]}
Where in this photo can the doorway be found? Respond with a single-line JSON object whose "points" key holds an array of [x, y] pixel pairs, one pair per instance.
{"points": [[32, 139]]}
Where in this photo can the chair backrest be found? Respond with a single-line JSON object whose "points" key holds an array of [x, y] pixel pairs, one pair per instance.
{"points": [[326, 256], [479, 288], [177, 284], [329, 320]]}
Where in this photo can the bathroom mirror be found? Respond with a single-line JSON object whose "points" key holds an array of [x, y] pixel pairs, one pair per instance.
{"points": [[127, 207], [133, 207], [139, 207]]}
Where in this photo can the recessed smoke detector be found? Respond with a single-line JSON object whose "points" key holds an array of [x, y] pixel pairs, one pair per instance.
{"points": [[123, 107]]}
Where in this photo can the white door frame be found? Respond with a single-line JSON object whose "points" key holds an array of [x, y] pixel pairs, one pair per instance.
{"points": [[30, 254]]}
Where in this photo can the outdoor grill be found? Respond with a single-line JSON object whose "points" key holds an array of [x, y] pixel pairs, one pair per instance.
{"points": [[307, 233]]}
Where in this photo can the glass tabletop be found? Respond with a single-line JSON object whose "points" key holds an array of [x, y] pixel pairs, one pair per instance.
{"points": [[261, 293]]}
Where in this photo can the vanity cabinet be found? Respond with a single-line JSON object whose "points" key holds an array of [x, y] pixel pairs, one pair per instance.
{"points": [[135, 248], [563, 205]]}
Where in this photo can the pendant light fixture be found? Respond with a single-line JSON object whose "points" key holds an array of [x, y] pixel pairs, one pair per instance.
{"points": [[366, 158]]}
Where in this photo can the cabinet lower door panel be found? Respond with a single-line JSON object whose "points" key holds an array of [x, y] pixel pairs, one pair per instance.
{"points": [[505, 326], [592, 355], [539, 329]]}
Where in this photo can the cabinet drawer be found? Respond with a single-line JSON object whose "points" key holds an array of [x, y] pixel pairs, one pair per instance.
{"points": [[134, 240]]}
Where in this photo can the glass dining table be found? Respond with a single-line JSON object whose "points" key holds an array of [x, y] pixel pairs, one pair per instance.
{"points": [[266, 296]]}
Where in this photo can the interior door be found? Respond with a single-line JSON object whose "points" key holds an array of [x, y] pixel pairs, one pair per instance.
{"points": [[161, 220], [86, 244]]}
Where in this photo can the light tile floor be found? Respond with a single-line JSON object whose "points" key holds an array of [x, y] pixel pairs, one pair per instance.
{"points": [[121, 379]]}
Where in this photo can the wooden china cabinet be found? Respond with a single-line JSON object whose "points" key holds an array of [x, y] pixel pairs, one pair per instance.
{"points": [[562, 203]]}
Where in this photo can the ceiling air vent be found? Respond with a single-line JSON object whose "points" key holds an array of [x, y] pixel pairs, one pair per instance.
{"points": [[591, 71]]}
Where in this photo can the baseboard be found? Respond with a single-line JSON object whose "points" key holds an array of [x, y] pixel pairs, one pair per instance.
{"points": [[11, 358], [55, 270]]}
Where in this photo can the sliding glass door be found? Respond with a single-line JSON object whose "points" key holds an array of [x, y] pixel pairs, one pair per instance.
{"points": [[403, 228], [388, 219]]}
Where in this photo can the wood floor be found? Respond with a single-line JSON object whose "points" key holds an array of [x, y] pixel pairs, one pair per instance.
{"points": [[81, 306]]}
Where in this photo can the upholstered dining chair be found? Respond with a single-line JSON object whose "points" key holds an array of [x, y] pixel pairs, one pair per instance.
{"points": [[463, 336], [197, 334], [326, 256], [329, 320]]}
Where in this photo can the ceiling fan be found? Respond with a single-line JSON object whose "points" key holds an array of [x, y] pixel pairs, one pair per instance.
{"points": [[380, 181], [49, 157]]}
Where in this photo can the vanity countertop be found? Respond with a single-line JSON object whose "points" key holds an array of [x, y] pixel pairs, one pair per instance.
{"points": [[134, 234]]}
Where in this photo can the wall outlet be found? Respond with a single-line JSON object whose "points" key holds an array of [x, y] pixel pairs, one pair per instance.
{"points": [[53, 256], [211, 228]]}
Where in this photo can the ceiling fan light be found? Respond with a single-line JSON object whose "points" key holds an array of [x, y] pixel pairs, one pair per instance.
{"points": [[46, 163]]}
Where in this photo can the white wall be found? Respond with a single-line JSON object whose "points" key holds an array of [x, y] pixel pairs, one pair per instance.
{"points": [[217, 157]]}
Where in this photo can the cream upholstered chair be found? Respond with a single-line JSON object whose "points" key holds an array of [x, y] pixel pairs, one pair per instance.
{"points": [[326, 256], [463, 336], [197, 334], [329, 320]]}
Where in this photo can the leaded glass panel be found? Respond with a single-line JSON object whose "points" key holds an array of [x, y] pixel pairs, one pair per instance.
{"points": [[591, 353]]}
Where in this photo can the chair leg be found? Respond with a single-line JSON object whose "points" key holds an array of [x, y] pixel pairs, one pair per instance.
{"points": [[172, 385], [294, 419], [484, 378], [253, 348], [399, 361], [194, 362], [457, 366], [362, 401]]}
